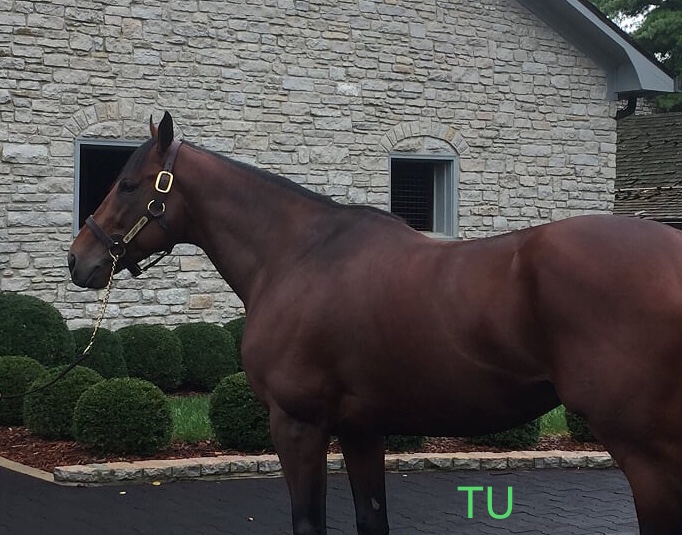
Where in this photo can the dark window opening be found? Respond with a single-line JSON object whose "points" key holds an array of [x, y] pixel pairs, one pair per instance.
{"points": [[98, 166], [412, 192], [423, 193]]}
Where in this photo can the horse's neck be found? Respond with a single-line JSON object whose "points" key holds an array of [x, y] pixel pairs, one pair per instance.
{"points": [[248, 225]]}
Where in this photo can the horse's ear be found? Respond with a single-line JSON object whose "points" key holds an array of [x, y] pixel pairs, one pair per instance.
{"points": [[165, 133], [152, 127]]}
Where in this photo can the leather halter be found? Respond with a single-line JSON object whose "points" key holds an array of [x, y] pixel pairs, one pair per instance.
{"points": [[116, 243]]}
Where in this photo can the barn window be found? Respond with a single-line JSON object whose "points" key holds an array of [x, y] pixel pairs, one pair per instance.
{"points": [[423, 193], [97, 165]]}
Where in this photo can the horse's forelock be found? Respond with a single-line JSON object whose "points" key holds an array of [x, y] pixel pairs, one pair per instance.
{"points": [[137, 158]]}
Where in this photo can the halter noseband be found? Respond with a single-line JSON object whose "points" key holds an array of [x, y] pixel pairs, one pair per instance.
{"points": [[116, 243]]}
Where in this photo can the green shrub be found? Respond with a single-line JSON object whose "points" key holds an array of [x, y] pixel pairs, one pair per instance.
{"points": [[34, 328], [208, 354], [123, 416], [153, 353], [404, 442], [16, 376], [237, 417], [578, 427], [518, 438], [49, 412], [236, 329], [106, 353]]}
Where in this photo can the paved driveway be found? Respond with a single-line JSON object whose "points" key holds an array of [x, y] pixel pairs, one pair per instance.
{"points": [[556, 502]]}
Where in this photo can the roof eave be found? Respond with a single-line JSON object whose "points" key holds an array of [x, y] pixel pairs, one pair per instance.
{"points": [[630, 70]]}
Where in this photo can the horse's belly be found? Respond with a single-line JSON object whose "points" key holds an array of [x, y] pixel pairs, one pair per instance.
{"points": [[442, 404]]}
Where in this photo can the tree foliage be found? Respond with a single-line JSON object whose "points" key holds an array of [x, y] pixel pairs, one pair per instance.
{"points": [[660, 33]]}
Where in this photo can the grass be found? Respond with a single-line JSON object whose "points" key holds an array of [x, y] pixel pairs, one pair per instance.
{"points": [[554, 422], [190, 418], [191, 423]]}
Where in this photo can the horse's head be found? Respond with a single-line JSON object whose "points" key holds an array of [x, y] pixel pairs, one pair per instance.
{"points": [[133, 220]]}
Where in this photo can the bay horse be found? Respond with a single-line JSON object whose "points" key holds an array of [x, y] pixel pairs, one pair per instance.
{"points": [[360, 327]]}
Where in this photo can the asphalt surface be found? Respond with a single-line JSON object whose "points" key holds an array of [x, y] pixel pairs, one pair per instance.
{"points": [[556, 502]]}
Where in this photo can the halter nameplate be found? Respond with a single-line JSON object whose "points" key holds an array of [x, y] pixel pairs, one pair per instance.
{"points": [[136, 228]]}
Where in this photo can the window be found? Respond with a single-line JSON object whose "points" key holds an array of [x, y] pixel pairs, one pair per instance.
{"points": [[423, 193], [97, 165]]}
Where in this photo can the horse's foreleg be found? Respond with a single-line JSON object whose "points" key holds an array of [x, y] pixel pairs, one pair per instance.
{"points": [[302, 449], [364, 457]]}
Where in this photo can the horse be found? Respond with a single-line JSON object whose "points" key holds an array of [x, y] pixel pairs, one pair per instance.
{"points": [[359, 326]]}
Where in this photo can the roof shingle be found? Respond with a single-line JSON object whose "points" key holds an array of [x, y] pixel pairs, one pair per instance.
{"points": [[649, 166]]}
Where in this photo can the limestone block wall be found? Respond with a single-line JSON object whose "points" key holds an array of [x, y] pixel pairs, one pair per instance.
{"points": [[319, 91]]}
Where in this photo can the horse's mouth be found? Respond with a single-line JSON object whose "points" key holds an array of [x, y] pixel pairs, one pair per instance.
{"points": [[94, 279]]}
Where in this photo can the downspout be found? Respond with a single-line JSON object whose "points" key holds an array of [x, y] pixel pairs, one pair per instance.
{"points": [[628, 110]]}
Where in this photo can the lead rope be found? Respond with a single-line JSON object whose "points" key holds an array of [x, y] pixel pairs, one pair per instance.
{"points": [[84, 354], [103, 306]]}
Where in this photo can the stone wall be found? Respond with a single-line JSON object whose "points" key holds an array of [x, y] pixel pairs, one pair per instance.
{"points": [[319, 91]]}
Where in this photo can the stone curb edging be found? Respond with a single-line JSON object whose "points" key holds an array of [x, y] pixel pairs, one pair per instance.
{"points": [[237, 466]]}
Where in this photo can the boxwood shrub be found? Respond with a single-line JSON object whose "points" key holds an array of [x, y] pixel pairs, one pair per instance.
{"points": [[123, 416], [236, 328], [578, 427], [518, 438], [238, 419], [403, 443], [34, 328], [106, 354], [49, 413], [153, 353], [16, 376], [208, 354]]}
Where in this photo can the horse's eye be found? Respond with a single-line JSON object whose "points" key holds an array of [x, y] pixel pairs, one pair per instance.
{"points": [[126, 187]]}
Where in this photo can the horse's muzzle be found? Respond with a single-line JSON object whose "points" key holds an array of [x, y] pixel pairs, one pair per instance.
{"points": [[86, 276]]}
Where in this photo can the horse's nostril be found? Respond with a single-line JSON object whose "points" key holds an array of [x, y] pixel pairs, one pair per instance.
{"points": [[72, 261]]}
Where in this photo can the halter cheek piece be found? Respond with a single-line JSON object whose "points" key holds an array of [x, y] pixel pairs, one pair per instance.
{"points": [[116, 243]]}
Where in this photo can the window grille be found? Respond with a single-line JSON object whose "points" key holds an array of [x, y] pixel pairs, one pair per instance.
{"points": [[423, 193]]}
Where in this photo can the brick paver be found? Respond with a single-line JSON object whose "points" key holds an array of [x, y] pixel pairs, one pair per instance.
{"points": [[556, 502]]}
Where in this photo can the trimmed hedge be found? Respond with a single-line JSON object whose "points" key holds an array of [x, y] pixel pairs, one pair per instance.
{"points": [[49, 412], [34, 328], [518, 438], [208, 354], [236, 329], [238, 419], [106, 354], [16, 376], [402, 443], [578, 427], [123, 416], [153, 353]]}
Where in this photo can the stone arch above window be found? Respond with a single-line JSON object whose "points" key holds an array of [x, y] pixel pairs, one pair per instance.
{"points": [[424, 137], [111, 120]]}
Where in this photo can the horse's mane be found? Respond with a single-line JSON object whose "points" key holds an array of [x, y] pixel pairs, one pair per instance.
{"points": [[290, 185]]}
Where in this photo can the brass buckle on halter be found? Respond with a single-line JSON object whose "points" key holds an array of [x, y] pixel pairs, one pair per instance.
{"points": [[164, 175]]}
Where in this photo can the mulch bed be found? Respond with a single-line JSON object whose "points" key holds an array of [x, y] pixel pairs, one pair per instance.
{"points": [[19, 445]]}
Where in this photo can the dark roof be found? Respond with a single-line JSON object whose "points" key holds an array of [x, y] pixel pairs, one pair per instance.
{"points": [[649, 166]]}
